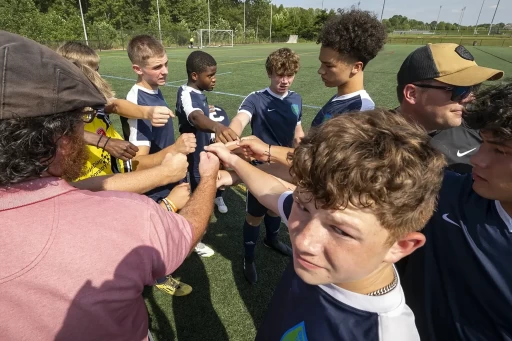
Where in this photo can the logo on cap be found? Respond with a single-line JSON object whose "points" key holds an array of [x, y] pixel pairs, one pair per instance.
{"points": [[464, 53]]}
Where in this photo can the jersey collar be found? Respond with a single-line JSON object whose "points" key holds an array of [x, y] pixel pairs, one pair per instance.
{"points": [[361, 93], [189, 88], [504, 215], [276, 95]]}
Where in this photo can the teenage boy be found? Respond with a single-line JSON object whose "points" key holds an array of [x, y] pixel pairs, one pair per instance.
{"points": [[275, 115], [362, 197], [195, 118], [149, 61], [349, 40], [459, 284]]}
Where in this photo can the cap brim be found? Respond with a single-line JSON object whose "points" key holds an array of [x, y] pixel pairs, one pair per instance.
{"points": [[471, 76]]}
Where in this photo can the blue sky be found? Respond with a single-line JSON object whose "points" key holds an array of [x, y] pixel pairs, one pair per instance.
{"points": [[423, 10]]}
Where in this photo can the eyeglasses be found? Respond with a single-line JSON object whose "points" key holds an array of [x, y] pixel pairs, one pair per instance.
{"points": [[88, 115], [459, 93]]}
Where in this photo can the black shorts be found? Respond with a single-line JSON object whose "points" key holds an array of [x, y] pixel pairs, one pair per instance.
{"points": [[254, 207]]}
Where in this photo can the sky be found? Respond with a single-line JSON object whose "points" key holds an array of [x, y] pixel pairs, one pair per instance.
{"points": [[423, 10]]}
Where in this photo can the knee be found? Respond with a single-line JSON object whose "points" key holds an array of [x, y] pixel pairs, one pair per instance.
{"points": [[253, 221], [272, 214]]}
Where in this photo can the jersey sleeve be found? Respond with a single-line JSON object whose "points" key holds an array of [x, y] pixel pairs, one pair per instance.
{"points": [[299, 117], [285, 204], [248, 106], [141, 131], [171, 236], [190, 104]]}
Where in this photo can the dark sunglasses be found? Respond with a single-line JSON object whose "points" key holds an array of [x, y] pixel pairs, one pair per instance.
{"points": [[88, 115], [459, 93]]}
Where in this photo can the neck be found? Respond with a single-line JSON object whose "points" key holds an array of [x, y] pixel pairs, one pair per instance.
{"points": [[277, 93], [381, 277], [413, 116], [193, 85], [507, 206], [142, 83], [354, 84]]}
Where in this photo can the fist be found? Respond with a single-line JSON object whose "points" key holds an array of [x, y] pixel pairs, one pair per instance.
{"points": [[186, 143], [180, 195], [253, 147], [174, 167], [208, 165], [159, 116], [224, 134], [120, 149], [223, 152]]}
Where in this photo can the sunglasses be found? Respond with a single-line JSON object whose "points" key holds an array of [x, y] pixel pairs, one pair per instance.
{"points": [[88, 115], [459, 93]]}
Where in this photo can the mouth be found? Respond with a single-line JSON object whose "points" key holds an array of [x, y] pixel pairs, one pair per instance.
{"points": [[478, 177], [305, 263]]}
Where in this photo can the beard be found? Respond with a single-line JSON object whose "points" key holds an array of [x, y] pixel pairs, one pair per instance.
{"points": [[73, 166]]}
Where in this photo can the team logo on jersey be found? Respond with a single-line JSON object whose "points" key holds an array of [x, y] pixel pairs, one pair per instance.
{"points": [[101, 131], [295, 109], [296, 333], [327, 116]]}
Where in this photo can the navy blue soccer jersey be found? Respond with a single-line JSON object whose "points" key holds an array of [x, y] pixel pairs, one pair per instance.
{"points": [[356, 101], [299, 311], [273, 117], [459, 284], [218, 115], [189, 100], [142, 133]]}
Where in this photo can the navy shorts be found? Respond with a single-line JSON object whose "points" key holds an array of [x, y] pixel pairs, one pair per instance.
{"points": [[254, 207]]}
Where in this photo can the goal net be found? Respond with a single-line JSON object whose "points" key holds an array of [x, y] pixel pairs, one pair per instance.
{"points": [[293, 39], [215, 38]]}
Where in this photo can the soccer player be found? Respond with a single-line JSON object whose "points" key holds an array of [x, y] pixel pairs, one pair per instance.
{"points": [[149, 61], [435, 83], [275, 115], [349, 41], [360, 200], [459, 284], [195, 118]]}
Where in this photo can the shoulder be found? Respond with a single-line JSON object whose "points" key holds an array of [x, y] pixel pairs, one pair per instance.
{"points": [[133, 94]]}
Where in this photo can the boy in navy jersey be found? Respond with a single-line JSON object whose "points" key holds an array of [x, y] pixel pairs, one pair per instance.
{"points": [[349, 41], [360, 200], [459, 285], [275, 115], [195, 117]]}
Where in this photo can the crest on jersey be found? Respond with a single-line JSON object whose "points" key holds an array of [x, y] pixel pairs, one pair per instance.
{"points": [[101, 131], [295, 109], [296, 333]]}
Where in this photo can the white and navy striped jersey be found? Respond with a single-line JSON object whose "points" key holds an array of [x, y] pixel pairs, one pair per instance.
{"points": [[273, 117], [300, 311], [356, 101]]}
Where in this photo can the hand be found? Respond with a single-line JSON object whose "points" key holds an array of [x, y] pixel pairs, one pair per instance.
{"points": [[180, 195], [185, 144], [208, 165], [255, 148], [211, 108], [224, 134], [120, 149], [227, 178], [159, 116], [174, 168], [223, 152]]}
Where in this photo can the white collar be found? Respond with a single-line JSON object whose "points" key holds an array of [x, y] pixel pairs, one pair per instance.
{"points": [[189, 88], [149, 91], [276, 95], [361, 93], [374, 304], [504, 215]]}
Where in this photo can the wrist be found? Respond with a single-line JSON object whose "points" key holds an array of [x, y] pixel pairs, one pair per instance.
{"points": [[146, 113]]}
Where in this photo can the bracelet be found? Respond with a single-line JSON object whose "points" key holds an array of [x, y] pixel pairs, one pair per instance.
{"points": [[108, 139], [268, 160], [98, 143], [169, 205]]}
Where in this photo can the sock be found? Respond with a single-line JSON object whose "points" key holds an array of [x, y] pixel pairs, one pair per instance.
{"points": [[272, 225], [251, 234], [219, 193]]}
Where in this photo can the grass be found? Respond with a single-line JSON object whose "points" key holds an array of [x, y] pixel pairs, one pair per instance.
{"points": [[223, 306]]}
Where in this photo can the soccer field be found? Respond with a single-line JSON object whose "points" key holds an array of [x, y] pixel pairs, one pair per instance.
{"points": [[223, 306]]}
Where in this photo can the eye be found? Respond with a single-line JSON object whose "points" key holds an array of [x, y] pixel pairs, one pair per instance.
{"points": [[499, 151], [339, 231]]}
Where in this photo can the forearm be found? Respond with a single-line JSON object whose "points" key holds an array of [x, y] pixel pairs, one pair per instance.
{"points": [[127, 109], [202, 123], [237, 126], [136, 182], [278, 170], [148, 161], [91, 138], [198, 209], [281, 154]]}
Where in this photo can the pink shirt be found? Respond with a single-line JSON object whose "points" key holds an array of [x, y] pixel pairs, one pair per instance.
{"points": [[73, 263]]}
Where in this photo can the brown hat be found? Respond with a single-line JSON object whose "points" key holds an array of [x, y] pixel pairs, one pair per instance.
{"points": [[36, 81], [448, 63]]}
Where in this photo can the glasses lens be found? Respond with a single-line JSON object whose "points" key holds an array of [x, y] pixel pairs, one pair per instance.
{"points": [[460, 92], [88, 116]]}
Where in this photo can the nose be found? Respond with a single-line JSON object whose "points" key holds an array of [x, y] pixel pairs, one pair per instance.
{"points": [[481, 157], [310, 239], [321, 70], [165, 70]]}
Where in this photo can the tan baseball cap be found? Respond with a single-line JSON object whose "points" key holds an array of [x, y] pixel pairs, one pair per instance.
{"points": [[448, 63], [36, 81]]}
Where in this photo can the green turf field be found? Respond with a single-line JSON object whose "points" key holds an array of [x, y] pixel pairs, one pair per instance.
{"points": [[223, 306]]}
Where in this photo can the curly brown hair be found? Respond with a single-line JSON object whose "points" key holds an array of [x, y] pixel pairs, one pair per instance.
{"points": [[373, 159], [356, 35], [283, 62], [142, 47]]}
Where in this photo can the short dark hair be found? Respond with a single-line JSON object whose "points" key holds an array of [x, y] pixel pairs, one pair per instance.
{"points": [[143, 47], [355, 34], [27, 145], [491, 111], [380, 162], [199, 61]]}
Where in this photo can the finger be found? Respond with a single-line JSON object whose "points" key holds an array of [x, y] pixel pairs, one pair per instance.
{"points": [[231, 144], [222, 138], [171, 113], [233, 135]]}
